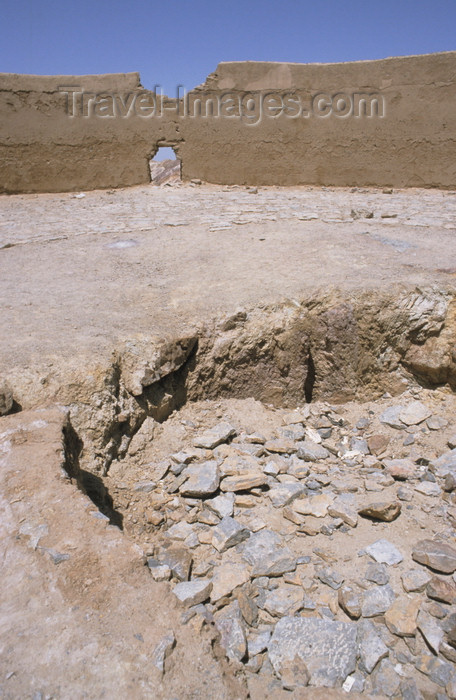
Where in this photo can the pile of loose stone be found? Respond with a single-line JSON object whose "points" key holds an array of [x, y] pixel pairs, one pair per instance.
{"points": [[320, 542]]}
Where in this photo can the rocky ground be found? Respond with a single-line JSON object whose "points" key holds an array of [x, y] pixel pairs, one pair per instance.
{"points": [[320, 541], [249, 394]]}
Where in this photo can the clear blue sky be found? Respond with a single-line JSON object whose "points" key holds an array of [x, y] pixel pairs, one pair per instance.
{"points": [[181, 41]]}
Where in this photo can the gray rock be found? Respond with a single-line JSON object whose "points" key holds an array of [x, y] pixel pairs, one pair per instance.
{"points": [[430, 629], [445, 464], [440, 672], [258, 642], [271, 468], [298, 468], [311, 451], [371, 647], [377, 573], [222, 505], [268, 555], [56, 557], [391, 417], [415, 580], [427, 488], [341, 509], [385, 680], [285, 493], [331, 578], [193, 592], [377, 600], [409, 690], [415, 413], [203, 480], [180, 531], [160, 572], [350, 601], [384, 552], [178, 559], [218, 434], [328, 648], [285, 600], [163, 650], [228, 533], [232, 637], [436, 423], [359, 445], [404, 494], [436, 555], [145, 486]]}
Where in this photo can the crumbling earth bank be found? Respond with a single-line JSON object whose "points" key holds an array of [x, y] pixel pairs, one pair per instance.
{"points": [[335, 347]]}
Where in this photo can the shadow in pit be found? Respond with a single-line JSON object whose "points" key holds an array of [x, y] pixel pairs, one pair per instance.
{"points": [[310, 379], [89, 483]]}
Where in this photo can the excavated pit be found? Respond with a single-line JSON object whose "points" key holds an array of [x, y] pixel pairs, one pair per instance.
{"points": [[319, 426], [305, 395]]}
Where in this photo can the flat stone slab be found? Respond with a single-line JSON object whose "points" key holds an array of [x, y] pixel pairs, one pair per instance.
{"points": [[384, 552], [215, 436], [329, 649], [414, 413], [203, 480]]}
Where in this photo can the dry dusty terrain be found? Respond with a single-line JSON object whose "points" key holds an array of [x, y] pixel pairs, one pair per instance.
{"points": [[220, 399]]}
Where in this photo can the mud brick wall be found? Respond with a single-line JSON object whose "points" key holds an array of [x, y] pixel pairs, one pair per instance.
{"points": [[390, 122]]}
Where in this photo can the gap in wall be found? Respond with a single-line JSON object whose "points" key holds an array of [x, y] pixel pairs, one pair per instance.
{"points": [[165, 167]]}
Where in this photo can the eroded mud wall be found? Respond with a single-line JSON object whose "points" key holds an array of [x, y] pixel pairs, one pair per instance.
{"points": [[390, 122], [60, 133]]}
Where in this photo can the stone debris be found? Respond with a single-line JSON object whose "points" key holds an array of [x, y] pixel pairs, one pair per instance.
{"points": [[243, 482], [430, 629], [203, 480], [384, 552], [400, 618], [435, 555], [415, 580], [377, 600], [350, 601], [415, 413], [328, 649], [372, 649], [320, 545], [193, 592], [226, 578], [228, 533], [163, 650], [267, 554], [210, 439], [381, 510]]}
